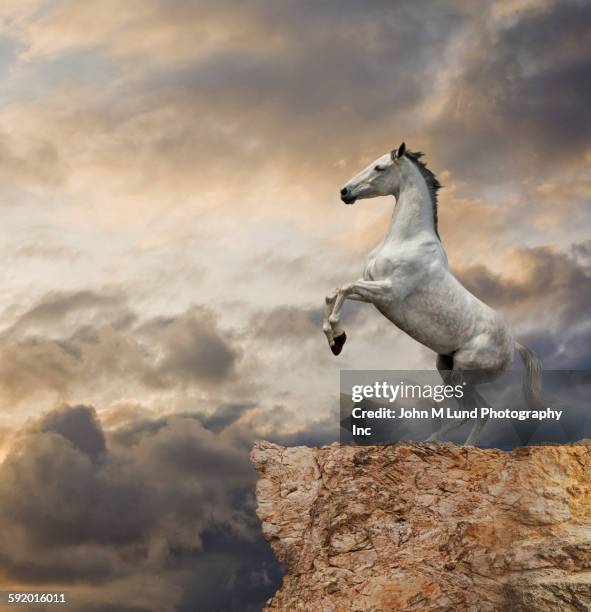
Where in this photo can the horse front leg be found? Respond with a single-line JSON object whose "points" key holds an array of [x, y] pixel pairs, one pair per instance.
{"points": [[334, 333], [361, 291], [329, 332]]}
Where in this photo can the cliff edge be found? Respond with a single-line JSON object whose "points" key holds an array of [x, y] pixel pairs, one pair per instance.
{"points": [[428, 526]]}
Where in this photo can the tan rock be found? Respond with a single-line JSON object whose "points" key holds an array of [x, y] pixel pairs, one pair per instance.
{"points": [[433, 527]]}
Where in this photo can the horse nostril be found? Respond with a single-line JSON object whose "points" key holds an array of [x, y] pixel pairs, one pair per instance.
{"points": [[344, 191]]}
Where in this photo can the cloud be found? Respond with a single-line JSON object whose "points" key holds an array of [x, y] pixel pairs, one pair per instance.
{"points": [[155, 520], [546, 294], [76, 514], [194, 349], [80, 426], [538, 280], [66, 308], [520, 100], [341, 84], [149, 30], [288, 322], [225, 416], [69, 341], [32, 162], [198, 83]]}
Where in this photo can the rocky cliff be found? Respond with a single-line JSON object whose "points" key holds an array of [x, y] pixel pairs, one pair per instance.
{"points": [[421, 526]]}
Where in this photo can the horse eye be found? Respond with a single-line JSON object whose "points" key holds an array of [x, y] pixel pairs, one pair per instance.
{"points": [[379, 168]]}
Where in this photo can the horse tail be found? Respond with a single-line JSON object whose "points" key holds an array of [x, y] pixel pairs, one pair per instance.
{"points": [[532, 378]]}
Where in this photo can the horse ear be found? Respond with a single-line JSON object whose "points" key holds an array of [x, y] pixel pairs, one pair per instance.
{"points": [[398, 153]]}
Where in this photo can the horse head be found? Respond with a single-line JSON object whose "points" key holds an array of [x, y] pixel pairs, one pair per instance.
{"points": [[382, 177]]}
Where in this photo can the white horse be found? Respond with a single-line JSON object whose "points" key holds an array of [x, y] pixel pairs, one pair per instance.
{"points": [[408, 280]]}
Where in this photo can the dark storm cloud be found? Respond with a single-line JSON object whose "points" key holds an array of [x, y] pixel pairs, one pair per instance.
{"points": [[352, 78], [582, 253], [547, 279], [194, 349], [60, 501], [360, 58], [79, 425], [521, 101], [225, 415], [566, 349], [544, 61], [550, 285], [172, 503]]}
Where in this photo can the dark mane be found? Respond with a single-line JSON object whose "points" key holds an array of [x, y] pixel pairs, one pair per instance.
{"points": [[432, 183]]}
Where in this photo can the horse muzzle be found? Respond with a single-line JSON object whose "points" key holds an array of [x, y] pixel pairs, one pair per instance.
{"points": [[346, 196]]}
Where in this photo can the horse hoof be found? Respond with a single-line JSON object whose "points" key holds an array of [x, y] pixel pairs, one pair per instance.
{"points": [[339, 341]]}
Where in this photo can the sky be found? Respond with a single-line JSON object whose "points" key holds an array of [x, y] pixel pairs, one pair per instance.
{"points": [[169, 191]]}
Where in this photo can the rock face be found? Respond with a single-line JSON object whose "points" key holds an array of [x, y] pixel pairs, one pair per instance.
{"points": [[420, 526]]}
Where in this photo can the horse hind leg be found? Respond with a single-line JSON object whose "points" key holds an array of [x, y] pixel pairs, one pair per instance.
{"points": [[451, 426], [471, 399], [445, 365], [450, 374], [479, 401], [467, 402]]}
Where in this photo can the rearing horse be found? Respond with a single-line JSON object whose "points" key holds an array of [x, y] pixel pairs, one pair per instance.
{"points": [[408, 280]]}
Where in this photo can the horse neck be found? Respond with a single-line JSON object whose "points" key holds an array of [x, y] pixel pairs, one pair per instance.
{"points": [[413, 211]]}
